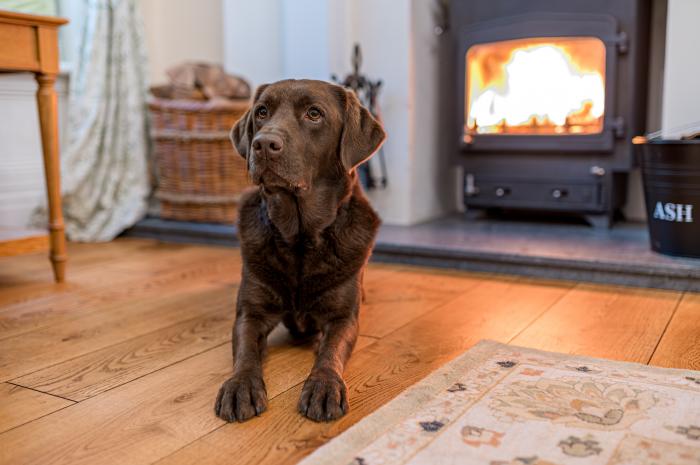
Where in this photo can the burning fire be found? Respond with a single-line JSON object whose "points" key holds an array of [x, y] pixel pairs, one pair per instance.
{"points": [[536, 86]]}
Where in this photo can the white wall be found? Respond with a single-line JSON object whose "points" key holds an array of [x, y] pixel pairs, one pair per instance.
{"points": [[383, 30], [304, 33], [681, 96], [252, 39], [181, 30], [269, 40], [434, 180], [399, 46]]}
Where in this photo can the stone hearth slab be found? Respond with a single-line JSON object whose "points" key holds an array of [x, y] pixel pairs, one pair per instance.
{"points": [[620, 255]]}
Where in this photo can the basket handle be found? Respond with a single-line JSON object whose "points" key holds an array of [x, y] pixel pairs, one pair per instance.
{"points": [[185, 136], [197, 198]]}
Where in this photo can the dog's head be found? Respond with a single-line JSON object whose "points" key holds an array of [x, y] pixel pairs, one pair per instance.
{"points": [[298, 132]]}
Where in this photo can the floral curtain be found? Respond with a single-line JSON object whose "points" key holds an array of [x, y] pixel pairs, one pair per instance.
{"points": [[104, 163], [38, 7]]}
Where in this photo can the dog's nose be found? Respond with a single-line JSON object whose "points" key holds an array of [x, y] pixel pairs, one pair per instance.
{"points": [[268, 144]]}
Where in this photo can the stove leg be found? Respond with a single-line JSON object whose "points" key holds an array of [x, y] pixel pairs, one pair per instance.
{"points": [[601, 221], [474, 214]]}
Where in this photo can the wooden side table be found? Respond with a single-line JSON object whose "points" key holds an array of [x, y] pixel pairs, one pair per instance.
{"points": [[30, 43]]}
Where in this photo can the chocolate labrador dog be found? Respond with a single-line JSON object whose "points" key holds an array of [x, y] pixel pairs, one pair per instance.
{"points": [[306, 234]]}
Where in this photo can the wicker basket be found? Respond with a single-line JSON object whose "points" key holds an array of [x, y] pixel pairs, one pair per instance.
{"points": [[199, 174]]}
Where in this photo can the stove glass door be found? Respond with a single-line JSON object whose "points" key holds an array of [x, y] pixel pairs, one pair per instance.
{"points": [[535, 86]]}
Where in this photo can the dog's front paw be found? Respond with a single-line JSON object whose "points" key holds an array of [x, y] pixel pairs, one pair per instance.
{"points": [[240, 398], [324, 397]]}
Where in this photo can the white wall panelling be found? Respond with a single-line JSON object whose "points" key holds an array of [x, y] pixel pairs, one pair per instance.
{"points": [[22, 186]]}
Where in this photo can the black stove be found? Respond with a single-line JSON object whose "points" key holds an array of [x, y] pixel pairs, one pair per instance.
{"points": [[542, 99]]}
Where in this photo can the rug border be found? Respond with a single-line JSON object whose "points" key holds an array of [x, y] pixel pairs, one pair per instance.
{"points": [[341, 449]]}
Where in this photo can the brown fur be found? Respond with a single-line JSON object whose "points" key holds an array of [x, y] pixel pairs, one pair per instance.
{"points": [[306, 234]]}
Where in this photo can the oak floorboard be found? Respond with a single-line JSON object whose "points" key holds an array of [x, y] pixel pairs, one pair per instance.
{"points": [[614, 322], [19, 405], [112, 289], [403, 296], [376, 272], [15, 241], [164, 262], [88, 375], [22, 283], [28, 276], [81, 254], [136, 423], [680, 344], [29, 352], [494, 309], [152, 416]]}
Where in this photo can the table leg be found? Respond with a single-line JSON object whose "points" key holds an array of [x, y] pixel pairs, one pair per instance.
{"points": [[48, 118]]}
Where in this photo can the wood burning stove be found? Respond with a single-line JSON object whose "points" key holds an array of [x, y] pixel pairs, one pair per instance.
{"points": [[549, 94]]}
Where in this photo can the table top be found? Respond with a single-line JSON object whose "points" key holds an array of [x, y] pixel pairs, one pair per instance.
{"points": [[7, 16]]}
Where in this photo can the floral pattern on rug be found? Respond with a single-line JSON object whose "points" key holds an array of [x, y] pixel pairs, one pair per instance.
{"points": [[639, 450], [522, 407], [534, 460], [580, 447], [691, 432], [475, 436], [576, 402]]}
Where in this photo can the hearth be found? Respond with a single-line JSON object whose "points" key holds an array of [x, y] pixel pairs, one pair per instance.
{"points": [[549, 94]]}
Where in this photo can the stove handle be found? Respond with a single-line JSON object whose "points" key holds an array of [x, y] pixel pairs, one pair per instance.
{"points": [[618, 126]]}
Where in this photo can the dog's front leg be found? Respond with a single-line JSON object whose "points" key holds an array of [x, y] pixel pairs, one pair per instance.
{"points": [[324, 395], [243, 395]]}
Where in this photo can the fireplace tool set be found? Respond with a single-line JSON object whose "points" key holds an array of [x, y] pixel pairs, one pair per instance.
{"points": [[367, 91]]}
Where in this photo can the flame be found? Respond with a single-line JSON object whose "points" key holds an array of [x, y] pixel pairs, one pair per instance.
{"points": [[536, 86]]}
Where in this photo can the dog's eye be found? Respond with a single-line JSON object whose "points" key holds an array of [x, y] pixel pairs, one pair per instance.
{"points": [[261, 112], [313, 113]]}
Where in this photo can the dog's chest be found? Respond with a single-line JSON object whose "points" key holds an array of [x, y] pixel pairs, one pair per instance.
{"points": [[321, 259], [305, 269]]}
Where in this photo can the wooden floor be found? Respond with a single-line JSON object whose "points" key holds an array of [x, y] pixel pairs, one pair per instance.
{"points": [[121, 364]]}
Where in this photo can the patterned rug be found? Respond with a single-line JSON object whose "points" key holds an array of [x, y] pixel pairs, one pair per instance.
{"points": [[504, 405]]}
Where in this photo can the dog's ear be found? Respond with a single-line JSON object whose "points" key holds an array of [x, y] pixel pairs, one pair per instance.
{"points": [[243, 131], [362, 134]]}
